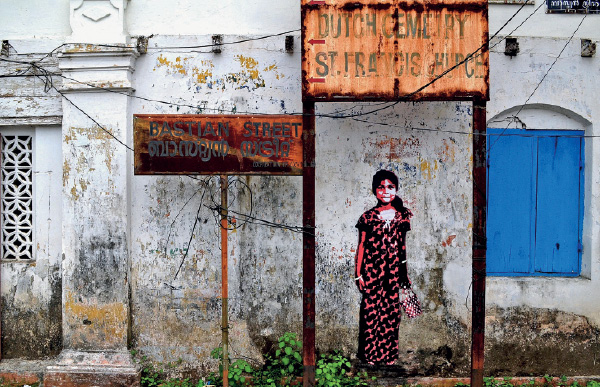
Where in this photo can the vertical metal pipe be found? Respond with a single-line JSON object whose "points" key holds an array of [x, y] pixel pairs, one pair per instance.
{"points": [[224, 284], [308, 241], [479, 242]]}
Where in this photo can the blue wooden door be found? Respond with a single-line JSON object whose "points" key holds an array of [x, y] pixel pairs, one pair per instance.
{"points": [[535, 202], [511, 203], [558, 205]]}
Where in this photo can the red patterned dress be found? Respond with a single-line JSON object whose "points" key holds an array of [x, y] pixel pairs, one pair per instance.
{"points": [[384, 273]]}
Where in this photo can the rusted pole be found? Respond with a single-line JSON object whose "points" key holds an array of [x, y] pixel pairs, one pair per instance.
{"points": [[0, 259], [224, 284], [308, 243], [479, 242]]}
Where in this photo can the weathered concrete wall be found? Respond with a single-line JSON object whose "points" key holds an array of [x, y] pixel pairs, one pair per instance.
{"points": [[434, 167], [95, 200], [95, 260], [23, 100], [148, 17], [265, 275], [434, 170], [548, 317], [541, 24], [31, 292], [52, 19], [425, 143]]}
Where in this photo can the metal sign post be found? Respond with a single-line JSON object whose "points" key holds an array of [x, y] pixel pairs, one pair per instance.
{"points": [[180, 144], [224, 282], [390, 50], [479, 242], [308, 244]]}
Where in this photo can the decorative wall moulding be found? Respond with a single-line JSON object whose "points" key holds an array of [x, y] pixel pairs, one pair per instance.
{"points": [[90, 67], [98, 21]]}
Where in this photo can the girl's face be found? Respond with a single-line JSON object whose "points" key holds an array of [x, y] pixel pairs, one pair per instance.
{"points": [[386, 191]]}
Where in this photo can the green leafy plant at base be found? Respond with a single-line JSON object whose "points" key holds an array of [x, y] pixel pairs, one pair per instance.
{"points": [[333, 370], [151, 376], [238, 371], [283, 367]]}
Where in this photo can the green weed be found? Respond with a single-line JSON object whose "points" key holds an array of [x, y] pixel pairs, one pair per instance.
{"points": [[282, 367]]}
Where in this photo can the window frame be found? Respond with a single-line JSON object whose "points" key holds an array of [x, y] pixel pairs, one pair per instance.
{"points": [[21, 131]]}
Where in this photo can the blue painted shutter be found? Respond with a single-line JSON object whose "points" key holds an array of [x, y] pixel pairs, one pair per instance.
{"points": [[511, 203], [558, 205], [535, 202]]}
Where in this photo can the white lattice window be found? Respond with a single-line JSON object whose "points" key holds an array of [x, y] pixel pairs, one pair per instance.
{"points": [[17, 197]]}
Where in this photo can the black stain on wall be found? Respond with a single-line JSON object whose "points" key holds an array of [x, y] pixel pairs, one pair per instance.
{"points": [[33, 331], [101, 263]]}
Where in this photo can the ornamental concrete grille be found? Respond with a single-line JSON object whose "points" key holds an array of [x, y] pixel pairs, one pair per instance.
{"points": [[17, 197]]}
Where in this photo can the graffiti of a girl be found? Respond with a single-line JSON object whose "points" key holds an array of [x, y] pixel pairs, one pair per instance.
{"points": [[381, 272]]}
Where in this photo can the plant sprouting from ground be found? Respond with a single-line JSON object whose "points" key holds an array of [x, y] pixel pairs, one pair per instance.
{"points": [[283, 366], [333, 370]]}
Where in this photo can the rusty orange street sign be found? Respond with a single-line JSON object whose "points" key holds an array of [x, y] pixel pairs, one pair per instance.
{"points": [[217, 144], [389, 49]]}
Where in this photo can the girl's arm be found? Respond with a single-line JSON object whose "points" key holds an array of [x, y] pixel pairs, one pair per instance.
{"points": [[360, 251]]}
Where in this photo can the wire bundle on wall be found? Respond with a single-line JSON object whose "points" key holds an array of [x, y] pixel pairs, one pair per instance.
{"points": [[35, 69]]}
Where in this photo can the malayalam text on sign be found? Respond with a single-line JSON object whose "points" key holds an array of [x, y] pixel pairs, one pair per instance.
{"points": [[218, 144]]}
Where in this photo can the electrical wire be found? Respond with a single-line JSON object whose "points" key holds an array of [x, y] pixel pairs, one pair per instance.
{"points": [[50, 85], [438, 130], [385, 107], [212, 45], [187, 250], [92, 119], [49, 54], [539, 83]]}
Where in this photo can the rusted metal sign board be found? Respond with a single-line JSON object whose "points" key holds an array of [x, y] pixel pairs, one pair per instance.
{"points": [[217, 144], [388, 49]]}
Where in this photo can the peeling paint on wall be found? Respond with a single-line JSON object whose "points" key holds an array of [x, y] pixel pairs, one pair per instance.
{"points": [[88, 142], [108, 322], [185, 67], [249, 74]]}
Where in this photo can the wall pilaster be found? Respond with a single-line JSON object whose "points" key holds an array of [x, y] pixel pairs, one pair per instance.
{"points": [[96, 141]]}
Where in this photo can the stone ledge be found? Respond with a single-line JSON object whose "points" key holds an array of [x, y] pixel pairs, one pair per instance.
{"points": [[18, 372], [18, 379], [90, 379], [97, 369]]}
